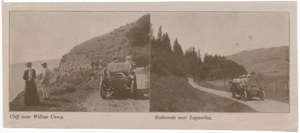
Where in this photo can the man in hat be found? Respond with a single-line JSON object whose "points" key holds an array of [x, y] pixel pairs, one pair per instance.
{"points": [[46, 75], [128, 59]]}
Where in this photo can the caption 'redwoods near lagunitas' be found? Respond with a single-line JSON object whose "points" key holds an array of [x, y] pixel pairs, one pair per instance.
{"points": [[190, 117]]}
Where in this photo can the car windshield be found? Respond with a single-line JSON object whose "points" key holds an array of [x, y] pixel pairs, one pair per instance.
{"points": [[119, 67]]}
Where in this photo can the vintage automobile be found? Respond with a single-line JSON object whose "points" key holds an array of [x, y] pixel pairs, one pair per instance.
{"points": [[118, 78], [247, 90]]}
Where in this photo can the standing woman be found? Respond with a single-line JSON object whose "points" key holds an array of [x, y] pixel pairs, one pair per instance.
{"points": [[31, 96]]}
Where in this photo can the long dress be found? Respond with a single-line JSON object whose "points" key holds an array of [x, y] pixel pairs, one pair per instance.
{"points": [[31, 96]]}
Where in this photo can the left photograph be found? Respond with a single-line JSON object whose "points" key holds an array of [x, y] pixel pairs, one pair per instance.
{"points": [[79, 61]]}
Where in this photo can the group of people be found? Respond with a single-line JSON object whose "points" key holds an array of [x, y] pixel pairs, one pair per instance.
{"points": [[97, 68], [128, 59], [31, 94], [242, 80]]}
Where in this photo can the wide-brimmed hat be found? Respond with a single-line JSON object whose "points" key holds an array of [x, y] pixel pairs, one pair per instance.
{"points": [[28, 64], [128, 58], [44, 64]]}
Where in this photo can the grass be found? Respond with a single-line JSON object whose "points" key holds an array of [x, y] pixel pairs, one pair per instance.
{"points": [[281, 95], [174, 94], [212, 86], [66, 102], [67, 92]]}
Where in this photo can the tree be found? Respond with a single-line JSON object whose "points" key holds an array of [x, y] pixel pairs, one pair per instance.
{"points": [[191, 61], [177, 50], [165, 61], [159, 35], [166, 44], [139, 35], [199, 57]]}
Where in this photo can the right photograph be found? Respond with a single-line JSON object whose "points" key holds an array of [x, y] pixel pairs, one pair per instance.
{"points": [[231, 62]]}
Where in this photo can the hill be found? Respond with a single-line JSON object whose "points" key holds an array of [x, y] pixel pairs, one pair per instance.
{"points": [[130, 39], [269, 61]]}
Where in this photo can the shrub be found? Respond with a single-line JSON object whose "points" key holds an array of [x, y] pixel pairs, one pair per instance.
{"points": [[139, 34]]}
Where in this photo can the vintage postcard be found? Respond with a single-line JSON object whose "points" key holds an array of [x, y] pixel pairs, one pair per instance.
{"points": [[111, 55], [188, 65]]}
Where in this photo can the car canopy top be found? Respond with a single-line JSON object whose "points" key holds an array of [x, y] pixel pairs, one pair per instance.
{"points": [[119, 67]]}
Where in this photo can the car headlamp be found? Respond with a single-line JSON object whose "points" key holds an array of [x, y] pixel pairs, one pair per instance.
{"points": [[126, 79], [131, 76]]}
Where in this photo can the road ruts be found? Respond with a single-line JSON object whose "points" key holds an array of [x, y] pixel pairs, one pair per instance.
{"points": [[95, 103]]}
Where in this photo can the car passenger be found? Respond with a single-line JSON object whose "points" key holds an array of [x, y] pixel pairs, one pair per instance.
{"points": [[244, 80], [239, 79], [129, 60], [234, 82]]}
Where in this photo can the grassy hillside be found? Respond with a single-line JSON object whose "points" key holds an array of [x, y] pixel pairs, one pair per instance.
{"points": [[68, 91], [174, 94], [270, 61], [130, 39]]}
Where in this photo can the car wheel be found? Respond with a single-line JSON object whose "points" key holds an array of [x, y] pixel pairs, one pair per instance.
{"points": [[262, 95], [244, 96], [103, 89]]}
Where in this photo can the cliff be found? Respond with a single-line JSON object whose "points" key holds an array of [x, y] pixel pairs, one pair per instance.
{"points": [[131, 39]]}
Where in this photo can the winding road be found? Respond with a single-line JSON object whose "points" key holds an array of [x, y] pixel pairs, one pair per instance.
{"points": [[267, 105]]}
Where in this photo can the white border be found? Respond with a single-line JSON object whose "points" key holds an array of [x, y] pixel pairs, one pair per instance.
{"points": [[23, 130]]}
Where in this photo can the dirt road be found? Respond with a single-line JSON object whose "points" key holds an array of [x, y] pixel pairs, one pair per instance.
{"points": [[259, 106], [95, 103]]}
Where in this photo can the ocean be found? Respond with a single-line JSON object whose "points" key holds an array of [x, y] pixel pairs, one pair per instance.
{"points": [[16, 82]]}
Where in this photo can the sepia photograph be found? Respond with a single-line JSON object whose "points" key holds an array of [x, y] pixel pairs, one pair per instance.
{"points": [[79, 61], [220, 62], [156, 65]]}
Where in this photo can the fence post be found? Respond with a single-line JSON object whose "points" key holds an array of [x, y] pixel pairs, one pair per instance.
{"points": [[287, 85], [274, 89], [278, 84], [268, 84]]}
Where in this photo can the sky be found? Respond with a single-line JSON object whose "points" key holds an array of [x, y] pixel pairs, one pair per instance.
{"points": [[39, 36], [224, 33]]}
